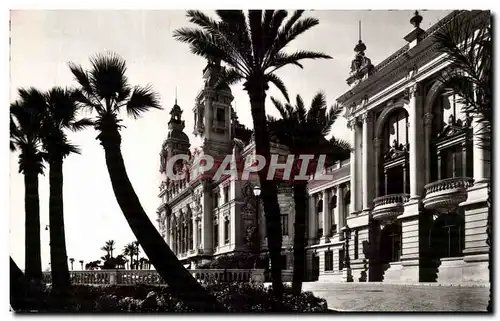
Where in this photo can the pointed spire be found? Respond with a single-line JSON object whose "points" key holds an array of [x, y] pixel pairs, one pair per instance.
{"points": [[360, 47], [175, 95]]}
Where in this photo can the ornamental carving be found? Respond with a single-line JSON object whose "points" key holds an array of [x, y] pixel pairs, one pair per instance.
{"points": [[395, 151], [455, 126], [249, 201], [196, 203]]}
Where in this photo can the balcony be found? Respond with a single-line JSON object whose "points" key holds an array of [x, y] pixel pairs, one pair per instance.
{"points": [[389, 207], [445, 195]]}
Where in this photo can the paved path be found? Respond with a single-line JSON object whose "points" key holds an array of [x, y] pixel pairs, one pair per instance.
{"points": [[394, 297]]}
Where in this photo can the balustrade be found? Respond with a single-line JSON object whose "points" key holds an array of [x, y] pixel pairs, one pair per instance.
{"points": [[445, 195]]}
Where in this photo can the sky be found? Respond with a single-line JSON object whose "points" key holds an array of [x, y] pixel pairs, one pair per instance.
{"points": [[43, 42]]}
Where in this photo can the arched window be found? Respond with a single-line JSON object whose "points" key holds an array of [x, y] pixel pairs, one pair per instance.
{"points": [[319, 211], [226, 230], [333, 210], [347, 204]]}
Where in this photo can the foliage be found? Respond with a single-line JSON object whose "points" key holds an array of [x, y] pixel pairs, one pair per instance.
{"points": [[236, 297], [241, 260]]}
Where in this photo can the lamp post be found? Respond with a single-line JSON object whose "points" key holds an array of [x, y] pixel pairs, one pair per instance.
{"points": [[346, 273], [256, 192]]}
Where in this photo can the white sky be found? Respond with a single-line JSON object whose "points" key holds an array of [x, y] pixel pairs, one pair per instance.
{"points": [[43, 42]]}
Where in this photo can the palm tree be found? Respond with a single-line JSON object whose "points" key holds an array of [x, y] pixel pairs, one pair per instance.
{"points": [[71, 260], [105, 90], [303, 132], [252, 48], [26, 116], [108, 247], [137, 251], [60, 114], [121, 261], [468, 48], [81, 264], [129, 250]]}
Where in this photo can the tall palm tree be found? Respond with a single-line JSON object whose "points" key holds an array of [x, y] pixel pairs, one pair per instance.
{"points": [[303, 132], [108, 247], [60, 115], [105, 90], [137, 251], [26, 116], [253, 49], [71, 260], [129, 250], [468, 48], [81, 264]]}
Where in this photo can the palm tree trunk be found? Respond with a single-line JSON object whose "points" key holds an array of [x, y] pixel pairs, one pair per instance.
{"points": [[269, 191], [33, 259], [58, 255], [299, 240], [180, 281]]}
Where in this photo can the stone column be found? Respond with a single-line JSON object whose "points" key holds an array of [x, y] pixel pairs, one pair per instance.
{"points": [[336, 209], [327, 225], [340, 210], [351, 124], [312, 219], [417, 148], [195, 232], [427, 145], [480, 154], [367, 168], [377, 142], [207, 220]]}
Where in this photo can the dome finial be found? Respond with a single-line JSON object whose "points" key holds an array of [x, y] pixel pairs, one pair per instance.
{"points": [[416, 20]]}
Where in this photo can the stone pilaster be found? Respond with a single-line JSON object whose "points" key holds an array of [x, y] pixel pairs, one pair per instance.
{"points": [[312, 219], [480, 152], [427, 146], [335, 208], [340, 210], [194, 232], [327, 225], [352, 125], [368, 164], [207, 220]]}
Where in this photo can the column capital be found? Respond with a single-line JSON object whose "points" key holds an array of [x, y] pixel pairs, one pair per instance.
{"points": [[412, 90], [334, 190], [367, 118], [428, 119]]}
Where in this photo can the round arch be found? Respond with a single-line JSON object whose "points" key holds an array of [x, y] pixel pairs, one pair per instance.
{"points": [[382, 119], [437, 88]]}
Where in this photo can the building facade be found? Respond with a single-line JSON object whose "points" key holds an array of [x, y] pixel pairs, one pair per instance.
{"points": [[413, 193]]}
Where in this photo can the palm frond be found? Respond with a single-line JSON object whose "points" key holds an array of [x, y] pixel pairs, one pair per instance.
{"points": [[281, 59], [81, 124], [142, 100], [81, 77], [108, 77], [279, 106], [275, 80]]}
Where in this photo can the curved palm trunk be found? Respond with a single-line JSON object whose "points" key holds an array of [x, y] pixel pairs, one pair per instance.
{"points": [[181, 282], [269, 190], [58, 255], [33, 261], [299, 240]]}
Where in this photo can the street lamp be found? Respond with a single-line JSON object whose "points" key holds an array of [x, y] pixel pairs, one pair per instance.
{"points": [[256, 192], [347, 275]]}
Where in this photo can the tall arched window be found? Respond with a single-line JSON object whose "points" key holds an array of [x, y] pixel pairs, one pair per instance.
{"points": [[333, 210], [347, 204], [319, 213], [226, 230]]}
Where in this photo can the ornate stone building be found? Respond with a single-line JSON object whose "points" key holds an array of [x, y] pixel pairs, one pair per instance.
{"points": [[202, 218], [413, 192]]}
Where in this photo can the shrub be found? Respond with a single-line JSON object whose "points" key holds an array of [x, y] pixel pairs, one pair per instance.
{"points": [[236, 297], [243, 260]]}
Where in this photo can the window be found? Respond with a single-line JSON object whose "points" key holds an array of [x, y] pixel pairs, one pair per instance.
{"points": [[341, 259], [356, 245], [220, 116], [226, 193], [319, 216], [329, 261], [283, 262], [216, 235], [216, 200], [333, 209], [284, 224], [190, 234], [226, 231], [347, 204], [452, 162], [199, 233], [448, 236]]}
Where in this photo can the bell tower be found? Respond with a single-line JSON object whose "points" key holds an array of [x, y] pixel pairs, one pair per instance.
{"points": [[213, 113], [177, 141]]}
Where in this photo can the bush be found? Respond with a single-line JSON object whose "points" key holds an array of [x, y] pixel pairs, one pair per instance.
{"points": [[236, 297], [242, 260]]}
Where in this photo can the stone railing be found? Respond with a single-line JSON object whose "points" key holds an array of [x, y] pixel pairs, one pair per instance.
{"points": [[390, 199], [446, 194], [449, 183], [389, 206], [151, 277]]}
